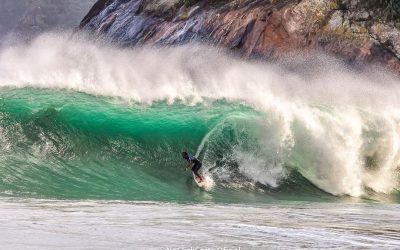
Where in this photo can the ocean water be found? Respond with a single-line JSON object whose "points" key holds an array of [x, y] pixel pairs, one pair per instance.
{"points": [[301, 153], [49, 224]]}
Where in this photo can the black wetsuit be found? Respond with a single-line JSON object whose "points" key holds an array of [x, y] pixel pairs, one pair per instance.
{"points": [[196, 165]]}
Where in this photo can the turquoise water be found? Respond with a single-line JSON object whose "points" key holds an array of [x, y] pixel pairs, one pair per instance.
{"points": [[91, 136], [70, 145], [61, 144]]}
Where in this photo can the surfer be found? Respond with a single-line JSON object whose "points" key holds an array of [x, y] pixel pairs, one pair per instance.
{"points": [[193, 163]]}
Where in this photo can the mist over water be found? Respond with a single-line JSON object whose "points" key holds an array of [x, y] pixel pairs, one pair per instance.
{"points": [[25, 19], [251, 123]]}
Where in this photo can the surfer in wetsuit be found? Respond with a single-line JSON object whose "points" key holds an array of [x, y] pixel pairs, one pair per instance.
{"points": [[193, 163]]}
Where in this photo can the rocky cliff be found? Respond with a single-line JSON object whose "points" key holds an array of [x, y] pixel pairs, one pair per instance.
{"points": [[270, 29]]}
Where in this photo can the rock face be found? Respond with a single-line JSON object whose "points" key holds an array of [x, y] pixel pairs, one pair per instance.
{"points": [[256, 28]]}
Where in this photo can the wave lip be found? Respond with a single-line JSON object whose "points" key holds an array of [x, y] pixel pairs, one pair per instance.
{"points": [[338, 128]]}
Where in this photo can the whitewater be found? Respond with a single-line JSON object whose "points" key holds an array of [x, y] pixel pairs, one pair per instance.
{"points": [[87, 127]]}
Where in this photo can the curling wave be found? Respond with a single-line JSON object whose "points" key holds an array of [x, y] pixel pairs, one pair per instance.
{"points": [[82, 119]]}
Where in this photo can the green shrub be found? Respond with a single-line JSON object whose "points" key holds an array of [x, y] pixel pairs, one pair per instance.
{"points": [[189, 2], [209, 2], [389, 9]]}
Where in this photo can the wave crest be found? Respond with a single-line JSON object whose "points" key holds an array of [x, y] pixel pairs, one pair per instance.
{"points": [[339, 128]]}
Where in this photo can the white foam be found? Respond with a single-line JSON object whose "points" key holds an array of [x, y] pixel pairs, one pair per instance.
{"points": [[357, 114]]}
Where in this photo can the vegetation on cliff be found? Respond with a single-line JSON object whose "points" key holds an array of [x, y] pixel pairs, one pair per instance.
{"points": [[389, 10]]}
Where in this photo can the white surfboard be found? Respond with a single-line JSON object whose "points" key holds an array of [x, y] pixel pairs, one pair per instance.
{"points": [[207, 182]]}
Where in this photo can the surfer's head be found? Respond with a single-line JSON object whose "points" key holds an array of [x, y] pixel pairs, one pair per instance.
{"points": [[185, 155]]}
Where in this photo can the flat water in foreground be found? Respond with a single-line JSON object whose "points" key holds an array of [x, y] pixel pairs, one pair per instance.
{"points": [[54, 224]]}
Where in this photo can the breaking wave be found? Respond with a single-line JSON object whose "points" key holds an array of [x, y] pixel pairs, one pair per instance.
{"points": [[88, 120]]}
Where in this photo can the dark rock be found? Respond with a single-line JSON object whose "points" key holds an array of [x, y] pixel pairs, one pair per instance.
{"points": [[261, 28], [94, 11]]}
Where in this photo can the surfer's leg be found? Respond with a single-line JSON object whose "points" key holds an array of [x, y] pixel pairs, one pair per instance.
{"points": [[196, 169]]}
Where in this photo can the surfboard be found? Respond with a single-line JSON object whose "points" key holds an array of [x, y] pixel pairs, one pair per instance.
{"points": [[207, 182], [198, 182]]}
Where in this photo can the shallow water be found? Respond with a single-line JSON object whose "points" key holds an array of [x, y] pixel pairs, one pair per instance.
{"points": [[50, 224]]}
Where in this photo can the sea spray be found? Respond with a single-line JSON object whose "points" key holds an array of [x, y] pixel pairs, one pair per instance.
{"points": [[338, 128]]}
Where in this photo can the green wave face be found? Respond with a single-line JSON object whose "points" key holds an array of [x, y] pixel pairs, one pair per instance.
{"points": [[70, 145]]}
